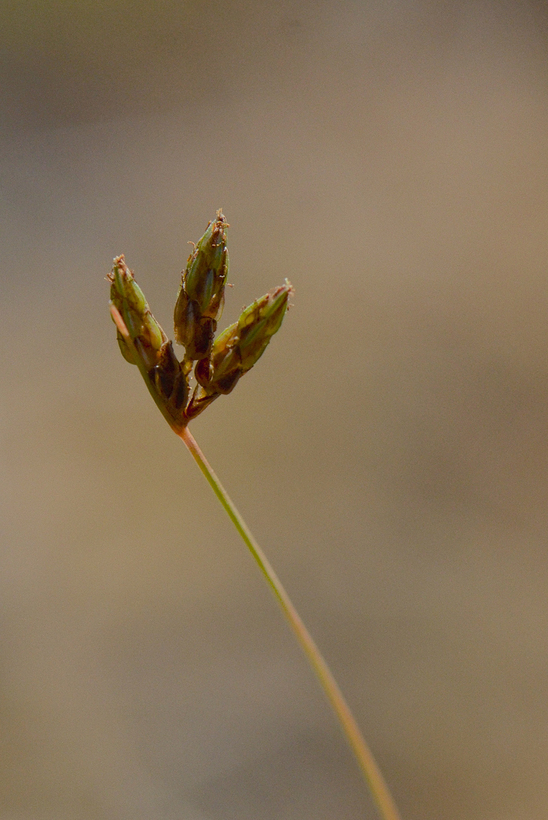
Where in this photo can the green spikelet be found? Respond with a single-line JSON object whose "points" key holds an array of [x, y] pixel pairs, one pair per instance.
{"points": [[147, 335], [201, 295], [240, 346]]}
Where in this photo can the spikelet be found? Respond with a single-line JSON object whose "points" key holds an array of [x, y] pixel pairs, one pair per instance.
{"points": [[241, 345], [129, 299], [201, 294]]}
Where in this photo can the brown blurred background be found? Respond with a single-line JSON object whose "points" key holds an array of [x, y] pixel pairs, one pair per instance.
{"points": [[389, 451]]}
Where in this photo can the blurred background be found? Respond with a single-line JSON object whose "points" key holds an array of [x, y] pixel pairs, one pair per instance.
{"points": [[389, 450]]}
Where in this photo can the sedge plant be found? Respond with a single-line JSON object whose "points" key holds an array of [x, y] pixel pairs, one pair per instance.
{"points": [[182, 389]]}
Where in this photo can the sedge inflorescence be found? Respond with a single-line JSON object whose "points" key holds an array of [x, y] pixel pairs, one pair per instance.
{"points": [[216, 363]]}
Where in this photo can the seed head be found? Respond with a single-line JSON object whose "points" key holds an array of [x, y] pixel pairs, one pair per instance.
{"points": [[220, 363]]}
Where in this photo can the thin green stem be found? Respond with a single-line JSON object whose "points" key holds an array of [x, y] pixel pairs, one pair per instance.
{"points": [[367, 763]]}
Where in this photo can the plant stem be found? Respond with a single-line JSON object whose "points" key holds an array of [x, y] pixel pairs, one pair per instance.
{"points": [[367, 763]]}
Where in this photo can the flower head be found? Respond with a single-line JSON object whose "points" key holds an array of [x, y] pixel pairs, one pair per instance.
{"points": [[221, 362]]}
